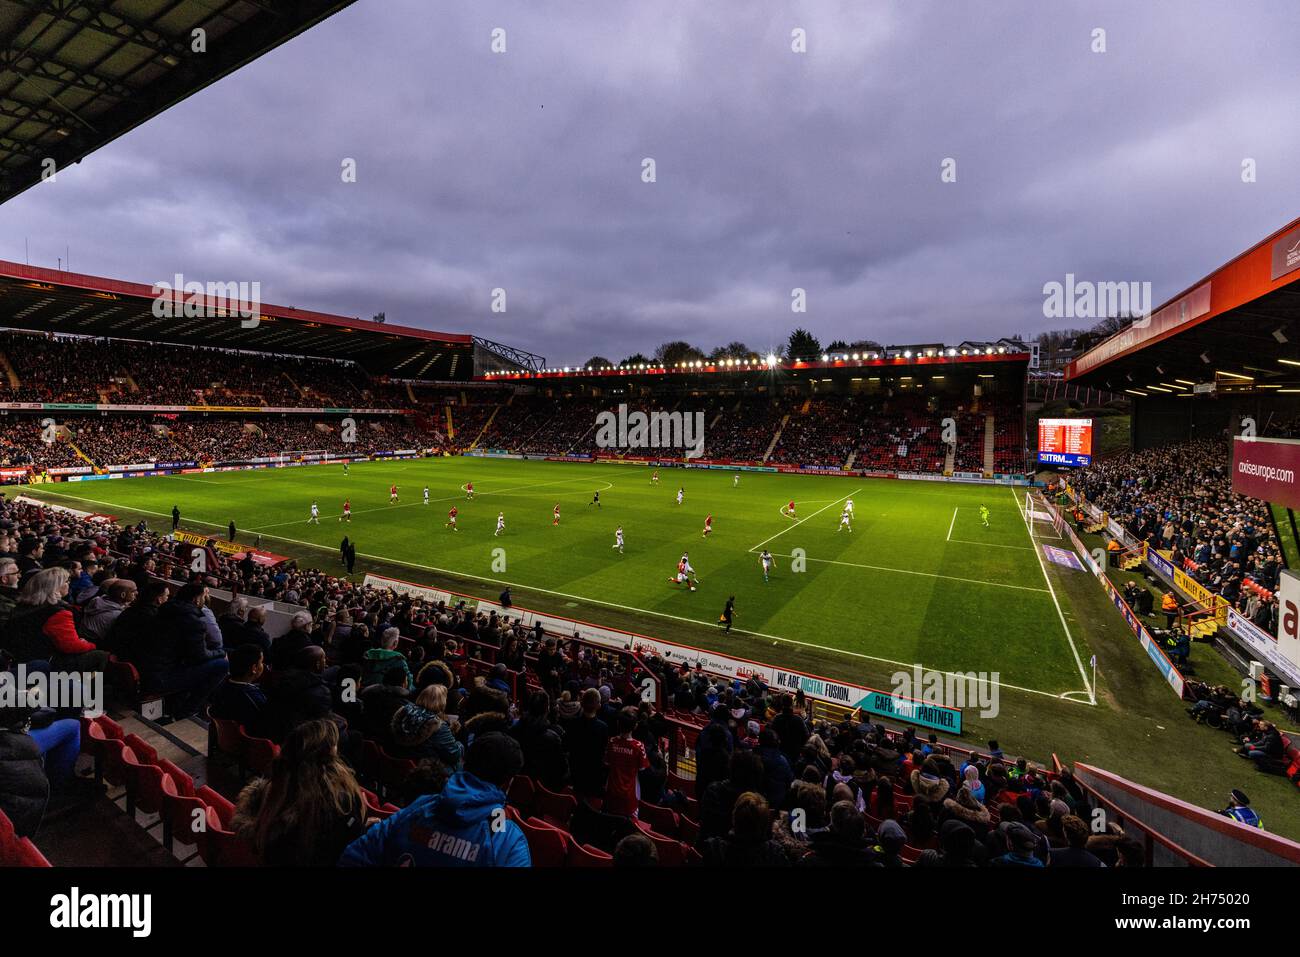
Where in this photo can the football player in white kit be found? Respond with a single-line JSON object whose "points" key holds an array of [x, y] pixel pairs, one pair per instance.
{"points": [[735, 480], [681, 493], [845, 517], [848, 506], [685, 574], [618, 539], [501, 524], [426, 495], [315, 514], [765, 560]]}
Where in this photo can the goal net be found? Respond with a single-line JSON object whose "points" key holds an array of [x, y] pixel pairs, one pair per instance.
{"points": [[1042, 518]]}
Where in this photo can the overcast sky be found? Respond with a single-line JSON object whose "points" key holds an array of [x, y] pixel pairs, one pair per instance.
{"points": [[775, 169]]}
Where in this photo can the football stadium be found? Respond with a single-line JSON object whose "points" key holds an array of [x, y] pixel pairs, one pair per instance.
{"points": [[282, 586]]}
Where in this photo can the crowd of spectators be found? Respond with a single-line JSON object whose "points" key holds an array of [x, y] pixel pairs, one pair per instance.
{"points": [[1179, 498], [899, 433], [107, 440], [80, 369], [475, 699]]}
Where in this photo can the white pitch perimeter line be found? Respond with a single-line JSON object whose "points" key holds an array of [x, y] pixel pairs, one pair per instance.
{"points": [[952, 523], [800, 521], [909, 571], [1087, 686], [432, 501], [962, 541], [1062, 696]]}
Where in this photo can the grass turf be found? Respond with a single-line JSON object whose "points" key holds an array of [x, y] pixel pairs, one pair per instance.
{"points": [[919, 579]]}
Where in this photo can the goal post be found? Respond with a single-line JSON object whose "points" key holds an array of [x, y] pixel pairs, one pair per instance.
{"points": [[1041, 518]]}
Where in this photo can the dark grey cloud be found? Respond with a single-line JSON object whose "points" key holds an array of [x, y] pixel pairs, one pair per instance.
{"points": [[775, 169]]}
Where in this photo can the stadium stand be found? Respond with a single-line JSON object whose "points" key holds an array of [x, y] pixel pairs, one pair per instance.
{"points": [[591, 775], [186, 403], [1179, 499]]}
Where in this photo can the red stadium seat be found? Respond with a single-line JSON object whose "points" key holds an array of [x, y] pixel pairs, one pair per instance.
{"points": [[113, 771], [546, 844], [221, 847], [259, 753], [554, 808], [687, 830], [662, 819], [685, 785], [22, 854], [584, 855], [226, 735], [672, 852], [376, 807], [521, 793], [144, 784], [96, 733]]}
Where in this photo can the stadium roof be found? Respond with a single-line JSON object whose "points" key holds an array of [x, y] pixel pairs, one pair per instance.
{"points": [[48, 300], [1239, 327], [76, 74], [891, 357]]}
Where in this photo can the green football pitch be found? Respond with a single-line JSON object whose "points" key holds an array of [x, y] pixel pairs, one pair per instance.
{"points": [[919, 580]]}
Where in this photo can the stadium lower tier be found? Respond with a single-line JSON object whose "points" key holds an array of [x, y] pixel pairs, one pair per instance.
{"points": [[896, 434]]}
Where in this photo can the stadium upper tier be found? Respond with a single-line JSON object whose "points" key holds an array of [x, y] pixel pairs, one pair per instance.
{"points": [[182, 403], [229, 315]]}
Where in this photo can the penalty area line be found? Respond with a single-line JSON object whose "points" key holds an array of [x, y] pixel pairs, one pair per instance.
{"points": [[1087, 685]]}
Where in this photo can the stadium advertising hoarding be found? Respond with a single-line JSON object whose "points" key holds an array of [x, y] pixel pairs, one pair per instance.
{"points": [[1288, 617], [1171, 674], [1264, 645], [208, 541], [1065, 441], [1286, 253], [1182, 310], [1266, 469], [1163, 566], [883, 704]]}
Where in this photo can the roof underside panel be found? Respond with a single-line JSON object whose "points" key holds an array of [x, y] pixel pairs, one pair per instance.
{"points": [[1241, 319], [77, 74], [73, 309]]}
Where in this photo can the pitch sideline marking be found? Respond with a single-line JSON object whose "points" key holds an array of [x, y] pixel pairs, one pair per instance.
{"points": [[962, 541], [1059, 696], [800, 521], [1088, 689], [448, 498], [953, 522], [910, 571]]}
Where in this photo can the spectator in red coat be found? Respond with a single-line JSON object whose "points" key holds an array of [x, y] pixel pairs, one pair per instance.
{"points": [[42, 626], [625, 757]]}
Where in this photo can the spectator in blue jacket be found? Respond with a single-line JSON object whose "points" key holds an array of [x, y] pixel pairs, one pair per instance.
{"points": [[464, 826]]}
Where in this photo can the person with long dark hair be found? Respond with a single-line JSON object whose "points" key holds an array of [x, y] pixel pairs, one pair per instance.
{"points": [[312, 806]]}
